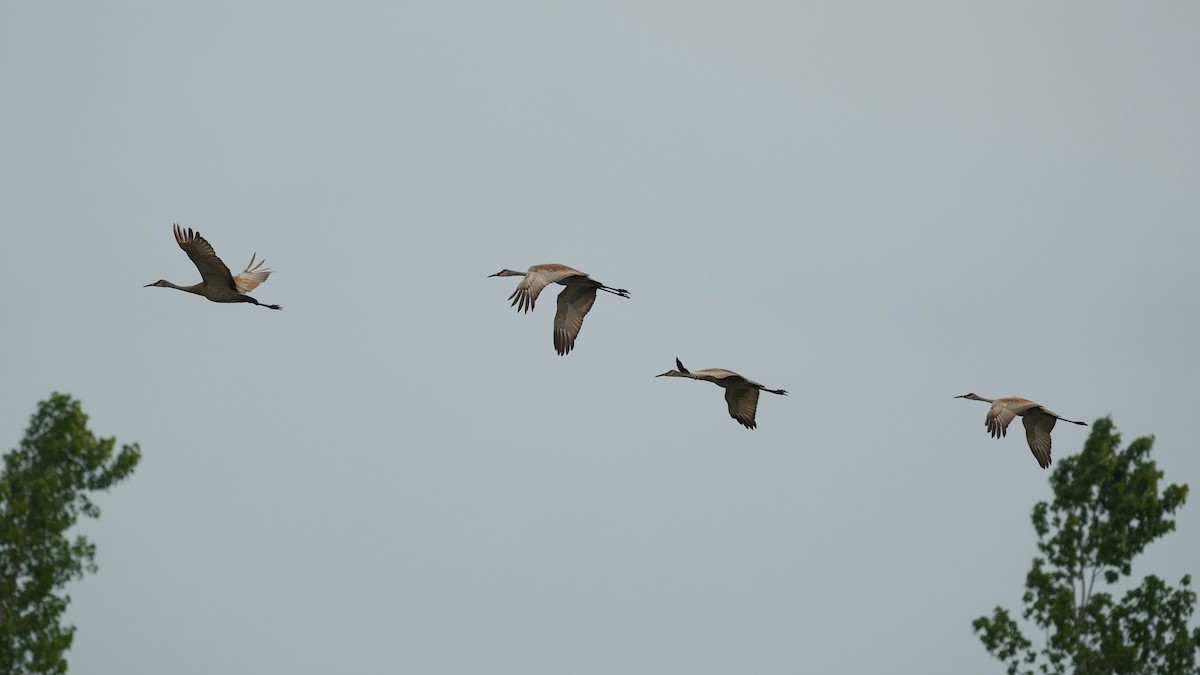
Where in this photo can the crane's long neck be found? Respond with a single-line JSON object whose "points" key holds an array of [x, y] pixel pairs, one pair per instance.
{"points": [[196, 288]]}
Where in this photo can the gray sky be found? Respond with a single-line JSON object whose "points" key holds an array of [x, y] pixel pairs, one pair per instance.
{"points": [[875, 207]]}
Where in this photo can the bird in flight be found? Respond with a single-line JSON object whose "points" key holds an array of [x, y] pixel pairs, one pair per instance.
{"points": [[1038, 421], [217, 283], [740, 393], [574, 302]]}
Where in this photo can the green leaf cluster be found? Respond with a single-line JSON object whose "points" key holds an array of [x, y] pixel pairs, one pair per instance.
{"points": [[43, 491], [1107, 508]]}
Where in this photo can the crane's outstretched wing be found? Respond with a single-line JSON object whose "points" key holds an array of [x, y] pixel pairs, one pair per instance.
{"points": [[998, 419], [743, 402], [212, 270], [573, 304], [537, 278], [252, 276], [1037, 431]]}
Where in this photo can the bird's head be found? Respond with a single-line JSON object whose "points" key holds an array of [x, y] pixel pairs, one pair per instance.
{"points": [[973, 397], [162, 283], [507, 273]]}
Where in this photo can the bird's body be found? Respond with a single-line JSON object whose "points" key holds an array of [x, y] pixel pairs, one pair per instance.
{"points": [[741, 394], [574, 302], [218, 283], [1039, 422]]}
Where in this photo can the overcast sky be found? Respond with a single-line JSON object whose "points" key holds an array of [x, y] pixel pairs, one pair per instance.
{"points": [[876, 207]]}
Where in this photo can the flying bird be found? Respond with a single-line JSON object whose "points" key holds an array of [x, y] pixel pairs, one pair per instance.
{"points": [[1038, 422], [741, 394], [574, 302], [218, 284]]}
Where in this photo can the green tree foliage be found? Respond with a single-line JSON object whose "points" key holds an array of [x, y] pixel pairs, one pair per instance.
{"points": [[1107, 508], [43, 490]]}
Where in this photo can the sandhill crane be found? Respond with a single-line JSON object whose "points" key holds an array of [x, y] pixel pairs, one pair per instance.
{"points": [[218, 284], [1038, 422], [741, 394], [573, 303]]}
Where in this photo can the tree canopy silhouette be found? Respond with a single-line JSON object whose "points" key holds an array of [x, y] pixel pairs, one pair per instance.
{"points": [[43, 490], [1107, 508]]}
